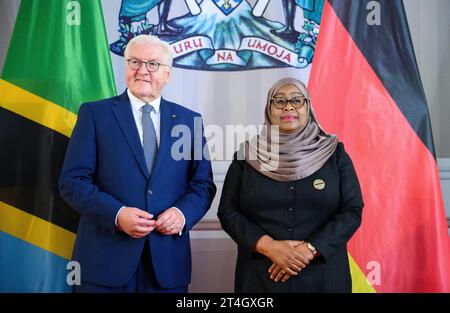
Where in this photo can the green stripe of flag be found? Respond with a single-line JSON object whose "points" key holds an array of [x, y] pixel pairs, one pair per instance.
{"points": [[59, 51]]}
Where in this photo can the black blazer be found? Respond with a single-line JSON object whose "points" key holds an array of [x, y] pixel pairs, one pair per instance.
{"points": [[253, 205]]}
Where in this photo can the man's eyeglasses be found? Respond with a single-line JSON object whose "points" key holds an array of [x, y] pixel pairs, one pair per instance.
{"points": [[281, 103], [152, 66]]}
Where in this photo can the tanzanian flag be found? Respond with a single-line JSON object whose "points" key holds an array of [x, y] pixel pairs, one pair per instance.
{"points": [[57, 59], [366, 88]]}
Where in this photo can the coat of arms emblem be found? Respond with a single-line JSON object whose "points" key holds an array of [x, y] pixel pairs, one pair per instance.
{"points": [[226, 35]]}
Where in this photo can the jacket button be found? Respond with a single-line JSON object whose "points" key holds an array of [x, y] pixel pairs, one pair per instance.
{"points": [[290, 209], [150, 192], [291, 188], [289, 229]]}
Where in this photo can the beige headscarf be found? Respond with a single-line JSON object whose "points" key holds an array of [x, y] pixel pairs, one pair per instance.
{"points": [[291, 156]]}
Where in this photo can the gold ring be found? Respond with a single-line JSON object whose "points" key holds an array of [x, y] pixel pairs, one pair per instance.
{"points": [[283, 272]]}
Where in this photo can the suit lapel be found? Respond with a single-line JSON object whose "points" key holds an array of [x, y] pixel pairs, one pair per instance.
{"points": [[125, 119], [167, 122]]}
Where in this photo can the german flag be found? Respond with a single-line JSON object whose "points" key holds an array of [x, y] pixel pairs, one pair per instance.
{"points": [[366, 88], [58, 58]]}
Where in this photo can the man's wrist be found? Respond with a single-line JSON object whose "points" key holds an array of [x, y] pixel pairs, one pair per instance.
{"points": [[184, 221], [116, 221]]}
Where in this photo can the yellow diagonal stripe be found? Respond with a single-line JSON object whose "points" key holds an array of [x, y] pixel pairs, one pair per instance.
{"points": [[360, 284], [33, 107], [36, 231]]}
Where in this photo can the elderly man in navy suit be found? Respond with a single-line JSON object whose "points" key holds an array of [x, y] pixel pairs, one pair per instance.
{"points": [[137, 201]]}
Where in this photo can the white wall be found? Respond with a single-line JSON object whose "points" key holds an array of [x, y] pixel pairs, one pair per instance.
{"points": [[430, 31]]}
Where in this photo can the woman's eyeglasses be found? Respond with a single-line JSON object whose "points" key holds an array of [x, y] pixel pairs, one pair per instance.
{"points": [[281, 103]]}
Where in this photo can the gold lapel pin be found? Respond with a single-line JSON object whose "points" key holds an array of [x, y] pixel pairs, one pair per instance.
{"points": [[319, 184]]}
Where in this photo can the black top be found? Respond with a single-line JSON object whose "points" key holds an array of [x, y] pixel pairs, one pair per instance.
{"points": [[253, 205]]}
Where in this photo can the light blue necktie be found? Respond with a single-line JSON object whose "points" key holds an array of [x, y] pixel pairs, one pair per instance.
{"points": [[149, 137]]}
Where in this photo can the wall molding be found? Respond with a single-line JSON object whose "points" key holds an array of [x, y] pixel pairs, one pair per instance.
{"points": [[207, 225], [444, 175], [444, 168]]}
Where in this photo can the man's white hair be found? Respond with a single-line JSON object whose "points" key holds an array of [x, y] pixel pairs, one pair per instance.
{"points": [[150, 39]]}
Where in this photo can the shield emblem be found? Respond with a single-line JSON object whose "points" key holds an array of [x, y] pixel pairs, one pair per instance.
{"points": [[227, 6]]}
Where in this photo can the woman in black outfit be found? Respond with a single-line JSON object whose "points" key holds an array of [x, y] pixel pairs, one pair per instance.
{"points": [[291, 201]]}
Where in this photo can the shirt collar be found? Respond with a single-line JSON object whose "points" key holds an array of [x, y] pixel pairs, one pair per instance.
{"points": [[137, 103]]}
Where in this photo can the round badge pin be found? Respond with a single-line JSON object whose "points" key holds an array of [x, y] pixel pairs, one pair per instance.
{"points": [[319, 184]]}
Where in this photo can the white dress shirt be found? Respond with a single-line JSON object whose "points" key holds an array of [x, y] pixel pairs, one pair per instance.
{"points": [[136, 108]]}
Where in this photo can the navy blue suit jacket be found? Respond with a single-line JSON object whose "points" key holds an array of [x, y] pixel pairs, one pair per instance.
{"points": [[104, 169]]}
